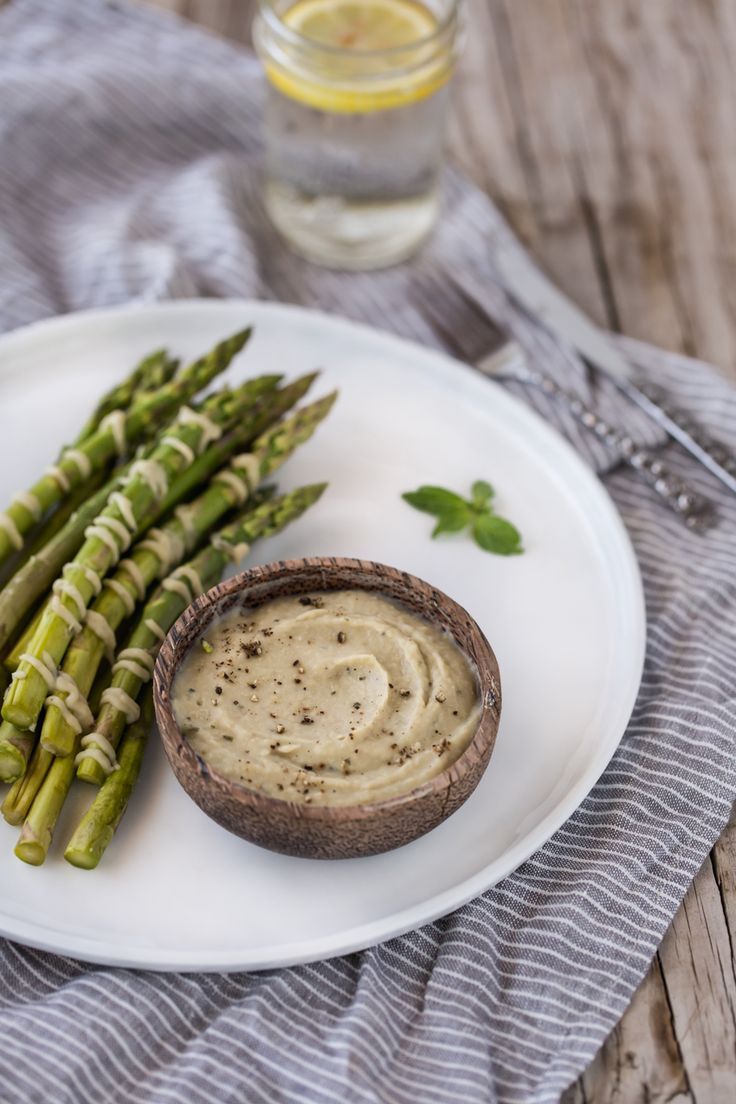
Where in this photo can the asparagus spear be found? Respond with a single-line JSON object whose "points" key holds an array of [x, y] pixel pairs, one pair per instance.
{"points": [[166, 604], [98, 449], [150, 374], [97, 827], [21, 794], [152, 558], [38, 827], [273, 407], [22, 642], [40, 536], [36, 576], [29, 583], [126, 513]]}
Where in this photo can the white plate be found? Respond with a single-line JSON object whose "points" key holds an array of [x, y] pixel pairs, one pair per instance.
{"points": [[566, 620]]}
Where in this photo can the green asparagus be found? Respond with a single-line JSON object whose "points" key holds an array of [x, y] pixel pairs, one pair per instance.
{"points": [[22, 793], [206, 568], [15, 750], [97, 450], [125, 515], [97, 827], [160, 552], [152, 373], [171, 599], [272, 407], [36, 576]]}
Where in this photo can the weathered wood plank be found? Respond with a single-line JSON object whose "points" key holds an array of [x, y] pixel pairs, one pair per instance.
{"points": [[604, 132], [640, 1061]]}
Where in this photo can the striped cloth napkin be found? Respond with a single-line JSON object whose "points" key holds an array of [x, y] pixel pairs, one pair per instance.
{"points": [[128, 171]]}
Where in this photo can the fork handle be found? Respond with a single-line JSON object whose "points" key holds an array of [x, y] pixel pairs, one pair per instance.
{"points": [[715, 449], [697, 512]]}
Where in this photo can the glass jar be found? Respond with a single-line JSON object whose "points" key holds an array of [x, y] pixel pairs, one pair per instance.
{"points": [[353, 136]]}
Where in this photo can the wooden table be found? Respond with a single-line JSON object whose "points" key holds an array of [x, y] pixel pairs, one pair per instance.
{"points": [[604, 131]]}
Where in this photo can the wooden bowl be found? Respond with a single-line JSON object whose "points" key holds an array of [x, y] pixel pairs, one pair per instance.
{"points": [[328, 832]]}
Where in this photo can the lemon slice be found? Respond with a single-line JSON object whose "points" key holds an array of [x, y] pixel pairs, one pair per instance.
{"points": [[379, 55], [361, 24]]}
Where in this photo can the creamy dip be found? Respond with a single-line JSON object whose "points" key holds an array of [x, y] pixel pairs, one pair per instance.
{"points": [[330, 698]]}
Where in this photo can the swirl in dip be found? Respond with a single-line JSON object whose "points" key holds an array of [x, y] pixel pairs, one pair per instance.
{"points": [[334, 698]]}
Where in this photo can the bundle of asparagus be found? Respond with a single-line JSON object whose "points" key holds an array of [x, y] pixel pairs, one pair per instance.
{"points": [[88, 541]]}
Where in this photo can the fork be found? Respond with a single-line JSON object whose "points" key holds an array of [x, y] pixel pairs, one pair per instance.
{"points": [[508, 362]]}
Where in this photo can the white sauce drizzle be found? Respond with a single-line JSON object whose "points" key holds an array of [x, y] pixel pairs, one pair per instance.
{"points": [[66, 714], [236, 484], [128, 663], [126, 509], [117, 528], [181, 447], [114, 423], [75, 700], [151, 472], [90, 575], [106, 538], [177, 586], [82, 463], [60, 478], [134, 573], [165, 545], [99, 626], [11, 529], [209, 431], [29, 502], [56, 606], [250, 465], [66, 587], [235, 552], [98, 756], [123, 594], [186, 582], [154, 628], [118, 699], [46, 670], [142, 655], [98, 747], [102, 742]]}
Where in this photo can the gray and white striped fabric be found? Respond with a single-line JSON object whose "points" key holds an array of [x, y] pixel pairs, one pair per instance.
{"points": [[128, 171]]}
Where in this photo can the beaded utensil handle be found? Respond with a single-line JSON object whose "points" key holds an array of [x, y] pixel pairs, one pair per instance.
{"points": [[509, 362]]}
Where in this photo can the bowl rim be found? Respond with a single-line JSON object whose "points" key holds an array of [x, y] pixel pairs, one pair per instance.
{"points": [[200, 612]]}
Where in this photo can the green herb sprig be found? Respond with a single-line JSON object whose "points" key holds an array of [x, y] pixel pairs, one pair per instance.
{"points": [[454, 513]]}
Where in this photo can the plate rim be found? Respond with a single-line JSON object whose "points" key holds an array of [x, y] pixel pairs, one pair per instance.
{"points": [[449, 900]]}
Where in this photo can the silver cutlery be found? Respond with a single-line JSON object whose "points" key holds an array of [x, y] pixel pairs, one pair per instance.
{"points": [[508, 362], [543, 301]]}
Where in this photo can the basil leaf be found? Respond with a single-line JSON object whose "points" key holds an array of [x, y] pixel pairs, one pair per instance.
{"points": [[434, 500], [452, 521], [495, 534], [482, 492]]}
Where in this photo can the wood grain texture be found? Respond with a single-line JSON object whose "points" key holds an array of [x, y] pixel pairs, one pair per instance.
{"points": [[603, 130]]}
